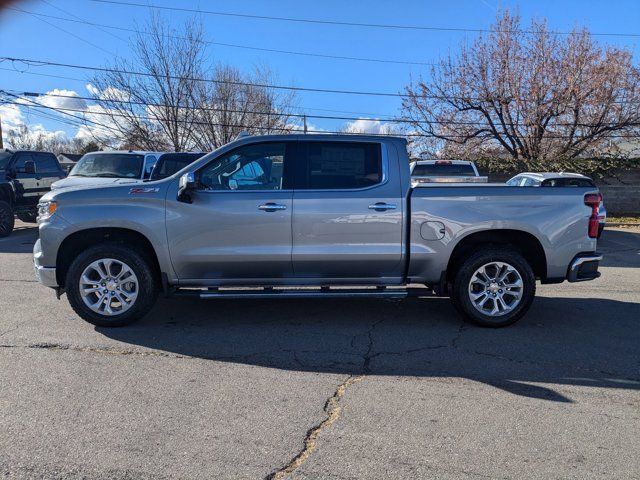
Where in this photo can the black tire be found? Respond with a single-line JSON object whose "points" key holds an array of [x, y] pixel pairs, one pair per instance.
{"points": [[7, 221], [460, 296], [600, 230], [147, 291], [30, 217]]}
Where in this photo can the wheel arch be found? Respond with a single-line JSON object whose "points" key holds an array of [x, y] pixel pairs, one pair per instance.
{"points": [[78, 241], [521, 241]]}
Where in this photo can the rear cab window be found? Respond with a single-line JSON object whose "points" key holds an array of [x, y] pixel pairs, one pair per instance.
{"points": [[338, 165], [445, 169]]}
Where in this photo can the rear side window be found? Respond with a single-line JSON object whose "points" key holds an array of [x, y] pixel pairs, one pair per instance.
{"points": [[45, 162], [568, 182], [432, 170], [339, 165]]}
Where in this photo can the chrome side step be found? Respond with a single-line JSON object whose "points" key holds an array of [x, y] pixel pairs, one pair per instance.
{"points": [[275, 292]]}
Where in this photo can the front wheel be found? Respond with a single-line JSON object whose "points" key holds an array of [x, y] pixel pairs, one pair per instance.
{"points": [[6, 219], [494, 288], [110, 285]]}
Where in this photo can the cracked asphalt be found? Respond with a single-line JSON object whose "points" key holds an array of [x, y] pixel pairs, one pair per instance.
{"points": [[330, 389]]}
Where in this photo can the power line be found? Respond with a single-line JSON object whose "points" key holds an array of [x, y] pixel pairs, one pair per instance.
{"points": [[271, 113], [350, 24], [224, 44], [36, 63], [77, 37], [84, 80], [39, 63], [258, 127]]}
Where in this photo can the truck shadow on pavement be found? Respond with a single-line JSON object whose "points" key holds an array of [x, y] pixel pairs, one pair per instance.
{"points": [[21, 240], [562, 341]]}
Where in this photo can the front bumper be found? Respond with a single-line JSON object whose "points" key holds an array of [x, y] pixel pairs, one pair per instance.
{"points": [[45, 275], [584, 267]]}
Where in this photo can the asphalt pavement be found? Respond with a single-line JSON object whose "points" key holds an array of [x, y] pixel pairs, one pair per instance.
{"points": [[316, 389]]}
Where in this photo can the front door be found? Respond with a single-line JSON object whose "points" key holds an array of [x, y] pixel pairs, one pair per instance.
{"points": [[347, 213], [238, 227], [29, 185]]}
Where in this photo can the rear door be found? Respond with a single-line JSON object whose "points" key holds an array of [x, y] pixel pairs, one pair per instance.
{"points": [[238, 226], [347, 212], [48, 170]]}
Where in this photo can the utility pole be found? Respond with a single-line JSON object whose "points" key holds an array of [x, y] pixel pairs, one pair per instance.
{"points": [[305, 123], [1, 144]]}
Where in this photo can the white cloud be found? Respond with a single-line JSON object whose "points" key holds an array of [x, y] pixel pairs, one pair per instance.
{"points": [[63, 99], [370, 126], [110, 93], [11, 116]]}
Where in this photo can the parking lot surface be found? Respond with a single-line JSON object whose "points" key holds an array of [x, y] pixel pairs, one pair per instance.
{"points": [[332, 389]]}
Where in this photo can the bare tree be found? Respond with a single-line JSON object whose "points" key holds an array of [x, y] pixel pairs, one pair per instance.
{"points": [[233, 102], [22, 138], [154, 110], [530, 96], [177, 103]]}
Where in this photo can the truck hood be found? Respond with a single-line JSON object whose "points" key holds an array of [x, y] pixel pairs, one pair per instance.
{"points": [[75, 182]]}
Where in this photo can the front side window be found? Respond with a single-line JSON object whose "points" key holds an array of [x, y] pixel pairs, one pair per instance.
{"points": [[341, 165], [116, 165], [252, 167]]}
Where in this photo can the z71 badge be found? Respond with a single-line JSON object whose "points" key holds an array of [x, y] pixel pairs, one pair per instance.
{"points": [[137, 190]]}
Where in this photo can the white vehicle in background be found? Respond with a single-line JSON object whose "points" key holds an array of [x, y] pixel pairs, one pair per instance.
{"points": [[560, 179], [445, 171], [109, 168]]}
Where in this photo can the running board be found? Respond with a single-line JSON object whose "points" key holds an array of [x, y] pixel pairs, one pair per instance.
{"points": [[212, 294]]}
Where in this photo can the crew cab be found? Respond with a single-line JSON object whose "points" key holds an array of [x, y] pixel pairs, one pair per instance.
{"points": [[109, 167], [25, 176], [264, 216]]}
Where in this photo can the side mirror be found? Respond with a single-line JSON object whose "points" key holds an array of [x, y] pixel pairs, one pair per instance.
{"points": [[186, 186], [30, 167]]}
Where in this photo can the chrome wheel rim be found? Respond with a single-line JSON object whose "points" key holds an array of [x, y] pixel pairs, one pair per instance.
{"points": [[495, 289], [108, 287]]}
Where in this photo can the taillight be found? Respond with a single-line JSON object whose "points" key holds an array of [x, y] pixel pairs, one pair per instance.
{"points": [[444, 162], [593, 200]]}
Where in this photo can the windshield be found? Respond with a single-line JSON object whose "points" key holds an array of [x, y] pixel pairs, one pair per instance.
{"points": [[170, 163], [4, 159], [433, 169], [116, 165]]}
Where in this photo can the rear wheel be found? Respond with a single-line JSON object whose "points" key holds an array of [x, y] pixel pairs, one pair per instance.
{"points": [[110, 285], [6, 219], [494, 288]]}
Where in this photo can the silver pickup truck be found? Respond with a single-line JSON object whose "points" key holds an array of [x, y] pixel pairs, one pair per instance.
{"points": [[312, 216]]}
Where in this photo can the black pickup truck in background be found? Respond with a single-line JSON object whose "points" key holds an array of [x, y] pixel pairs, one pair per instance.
{"points": [[24, 177]]}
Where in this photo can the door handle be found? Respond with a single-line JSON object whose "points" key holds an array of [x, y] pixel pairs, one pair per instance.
{"points": [[271, 207], [381, 206]]}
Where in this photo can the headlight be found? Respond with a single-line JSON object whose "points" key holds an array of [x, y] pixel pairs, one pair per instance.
{"points": [[46, 209]]}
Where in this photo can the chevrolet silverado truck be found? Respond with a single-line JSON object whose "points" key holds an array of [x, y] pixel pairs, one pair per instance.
{"points": [[312, 216]]}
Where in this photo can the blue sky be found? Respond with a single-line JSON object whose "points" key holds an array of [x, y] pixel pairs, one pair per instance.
{"points": [[23, 35]]}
